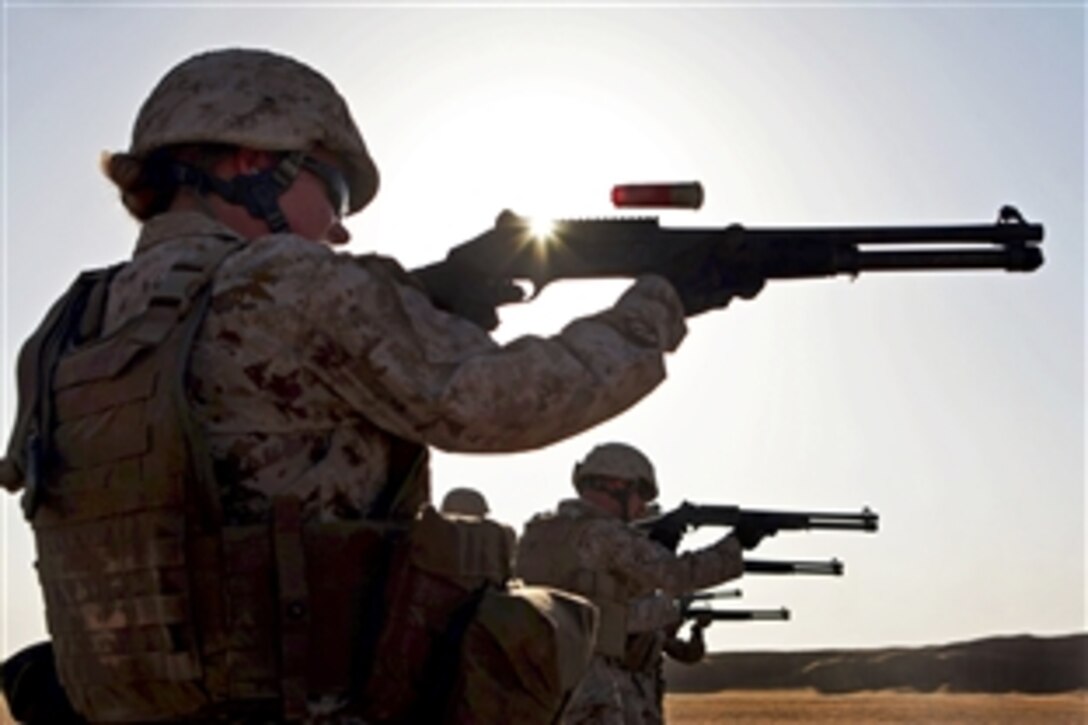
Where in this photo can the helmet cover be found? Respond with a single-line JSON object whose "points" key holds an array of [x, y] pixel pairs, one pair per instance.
{"points": [[618, 460], [256, 99], [464, 501]]}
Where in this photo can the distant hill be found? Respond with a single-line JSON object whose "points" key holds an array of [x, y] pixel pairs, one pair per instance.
{"points": [[1026, 664]]}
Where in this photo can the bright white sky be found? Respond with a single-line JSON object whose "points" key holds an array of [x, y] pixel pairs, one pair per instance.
{"points": [[952, 404]]}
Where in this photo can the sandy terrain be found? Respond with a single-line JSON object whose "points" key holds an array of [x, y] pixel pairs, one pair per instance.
{"points": [[751, 707], [1050, 665], [790, 706]]}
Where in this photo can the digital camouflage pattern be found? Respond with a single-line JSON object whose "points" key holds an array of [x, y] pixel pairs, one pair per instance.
{"points": [[687, 651], [652, 613], [257, 99], [607, 543], [311, 362], [650, 573]]}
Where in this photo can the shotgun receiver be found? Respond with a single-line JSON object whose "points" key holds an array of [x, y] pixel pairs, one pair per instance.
{"points": [[737, 615]]}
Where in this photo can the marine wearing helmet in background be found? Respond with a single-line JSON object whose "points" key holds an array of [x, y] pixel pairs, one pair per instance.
{"points": [[464, 502], [611, 462], [588, 547]]}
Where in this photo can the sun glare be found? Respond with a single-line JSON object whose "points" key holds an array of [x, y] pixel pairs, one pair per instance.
{"points": [[541, 229]]}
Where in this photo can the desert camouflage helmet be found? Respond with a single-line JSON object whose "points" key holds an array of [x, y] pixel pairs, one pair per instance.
{"points": [[464, 501], [618, 460], [257, 99]]}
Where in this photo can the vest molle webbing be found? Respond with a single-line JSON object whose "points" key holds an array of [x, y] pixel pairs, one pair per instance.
{"points": [[156, 610], [126, 507], [159, 611], [548, 555]]}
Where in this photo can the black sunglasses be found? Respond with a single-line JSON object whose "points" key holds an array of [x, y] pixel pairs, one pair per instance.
{"points": [[336, 185]]}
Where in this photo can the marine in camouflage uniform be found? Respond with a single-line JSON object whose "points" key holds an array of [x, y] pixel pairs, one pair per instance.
{"points": [[313, 368], [588, 546], [669, 643], [310, 361], [470, 503]]}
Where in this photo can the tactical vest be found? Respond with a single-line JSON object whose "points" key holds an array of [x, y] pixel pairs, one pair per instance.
{"points": [[156, 609], [548, 555], [160, 611]]}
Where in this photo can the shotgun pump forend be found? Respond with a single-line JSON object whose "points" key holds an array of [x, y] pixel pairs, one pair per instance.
{"points": [[736, 615], [708, 594], [709, 266], [834, 567], [686, 600]]}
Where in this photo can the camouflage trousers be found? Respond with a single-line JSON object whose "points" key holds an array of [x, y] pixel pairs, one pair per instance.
{"points": [[612, 695]]}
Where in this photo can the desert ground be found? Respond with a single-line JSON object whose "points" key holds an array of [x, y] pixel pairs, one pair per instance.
{"points": [[997, 681], [763, 707], [807, 706]]}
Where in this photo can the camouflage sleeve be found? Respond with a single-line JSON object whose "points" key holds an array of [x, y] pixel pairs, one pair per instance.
{"points": [[651, 566], [375, 339], [688, 651], [652, 612]]}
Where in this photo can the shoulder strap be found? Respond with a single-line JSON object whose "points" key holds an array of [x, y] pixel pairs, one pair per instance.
{"points": [[180, 302], [77, 315], [180, 297], [407, 488]]}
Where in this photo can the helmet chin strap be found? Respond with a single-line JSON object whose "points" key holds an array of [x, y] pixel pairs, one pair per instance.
{"points": [[623, 498], [259, 193]]}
